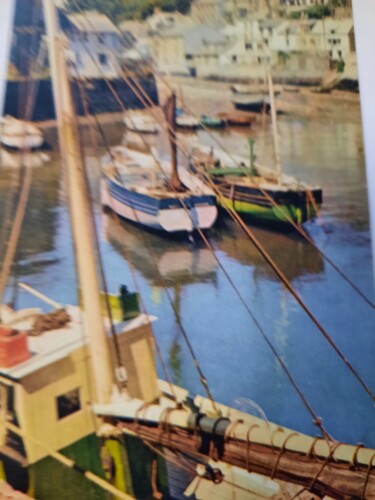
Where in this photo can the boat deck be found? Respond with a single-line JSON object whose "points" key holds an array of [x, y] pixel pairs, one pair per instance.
{"points": [[54, 345]]}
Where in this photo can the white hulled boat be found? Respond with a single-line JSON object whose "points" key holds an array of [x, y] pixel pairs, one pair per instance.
{"points": [[18, 134], [141, 122], [136, 189]]}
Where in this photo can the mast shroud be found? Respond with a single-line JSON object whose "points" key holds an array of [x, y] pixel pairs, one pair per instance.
{"points": [[170, 116], [274, 126], [81, 217]]}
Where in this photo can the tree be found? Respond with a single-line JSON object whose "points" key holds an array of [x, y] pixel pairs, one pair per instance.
{"points": [[129, 9], [319, 11], [183, 5]]}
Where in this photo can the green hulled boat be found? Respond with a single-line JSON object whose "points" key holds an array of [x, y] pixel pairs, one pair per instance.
{"points": [[257, 193], [212, 122], [262, 194]]}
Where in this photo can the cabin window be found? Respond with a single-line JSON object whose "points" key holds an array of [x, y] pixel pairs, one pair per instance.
{"points": [[68, 403], [103, 59]]}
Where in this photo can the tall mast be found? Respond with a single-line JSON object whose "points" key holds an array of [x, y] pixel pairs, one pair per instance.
{"points": [[274, 126], [6, 31], [81, 217], [170, 115]]}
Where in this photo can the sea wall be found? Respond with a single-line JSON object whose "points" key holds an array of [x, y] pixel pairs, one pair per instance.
{"points": [[99, 97]]}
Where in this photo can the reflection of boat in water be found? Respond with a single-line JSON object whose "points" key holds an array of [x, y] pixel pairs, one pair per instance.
{"points": [[27, 159], [160, 261], [305, 261]]}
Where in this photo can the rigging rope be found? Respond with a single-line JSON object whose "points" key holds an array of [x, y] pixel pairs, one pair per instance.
{"points": [[196, 363], [316, 419], [278, 272], [85, 99], [296, 226], [25, 178], [274, 266]]}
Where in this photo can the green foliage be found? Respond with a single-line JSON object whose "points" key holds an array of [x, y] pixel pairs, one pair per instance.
{"points": [[295, 15], [283, 56], [319, 11], [118, 10], [340, 66], [183, 6]]}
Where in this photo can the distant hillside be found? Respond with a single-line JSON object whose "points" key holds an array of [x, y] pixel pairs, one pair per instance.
{"points": [[118, 10]]}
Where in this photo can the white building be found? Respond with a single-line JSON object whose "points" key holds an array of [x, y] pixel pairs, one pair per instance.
{"points": [[294, 36], [94, 44], [167, 20], [336, 37], [174, 50]]}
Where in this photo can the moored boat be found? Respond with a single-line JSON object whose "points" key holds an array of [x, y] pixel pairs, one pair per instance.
{"points": [[256, 103], [257, 193], [18, 134], [187, 122], [141, 122], [237, 118], [134, 187], [212, 121]]}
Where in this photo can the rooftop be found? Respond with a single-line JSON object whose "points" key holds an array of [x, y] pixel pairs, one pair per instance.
{"points": [[333, 26], [92, 22]]}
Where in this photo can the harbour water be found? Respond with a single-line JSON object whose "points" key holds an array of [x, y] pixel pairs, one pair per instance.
{"points": [[240, 368]]}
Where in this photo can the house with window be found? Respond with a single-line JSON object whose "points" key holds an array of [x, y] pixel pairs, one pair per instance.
{"points": [[174, 50], [294, 36], [94, 45], [239, 10], [248, 53], [160, 20], [298, 51], [335, 36]]}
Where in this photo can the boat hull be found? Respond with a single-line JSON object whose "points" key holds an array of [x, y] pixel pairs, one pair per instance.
{"points": [[18, 144], [254, 106], [253, 203], [167, 214], [212, 122]]}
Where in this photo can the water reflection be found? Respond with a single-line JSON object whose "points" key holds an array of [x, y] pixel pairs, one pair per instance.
{"points": [[293, 255], [165, 263], [39, 225], [162, 261]]}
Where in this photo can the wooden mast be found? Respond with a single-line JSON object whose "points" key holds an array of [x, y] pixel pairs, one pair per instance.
{"points": [[81, 217], [274, 126], [170, 115]]}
